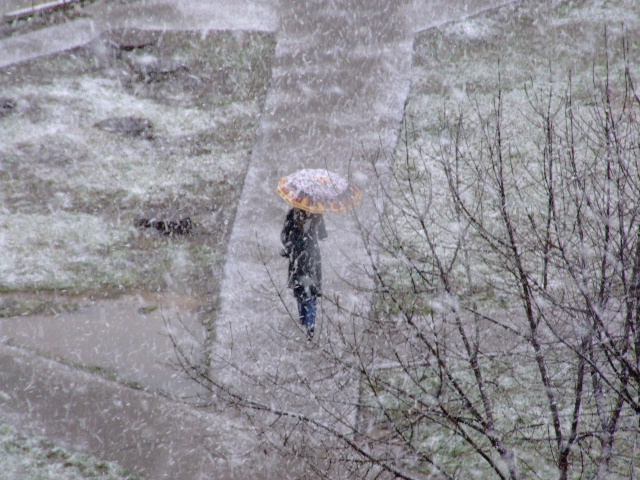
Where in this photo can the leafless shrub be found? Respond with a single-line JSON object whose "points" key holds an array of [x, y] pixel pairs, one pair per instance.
{"points": [[503, 340]]}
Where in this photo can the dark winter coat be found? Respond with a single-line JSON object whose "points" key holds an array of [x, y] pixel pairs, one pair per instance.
{"points": [[300, 236]]}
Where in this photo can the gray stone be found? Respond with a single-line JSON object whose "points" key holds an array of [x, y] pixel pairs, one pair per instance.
{"points": [[134, 126]]}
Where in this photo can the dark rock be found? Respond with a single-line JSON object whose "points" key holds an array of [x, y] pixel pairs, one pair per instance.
{"points": [[166, 226], [7, 106], [134, 126], [155, 69], [130, 40], [130, 46]]}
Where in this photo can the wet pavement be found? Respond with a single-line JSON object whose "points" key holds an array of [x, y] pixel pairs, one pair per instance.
{"points": [[339, 83], [124, 339], [140, 431]]}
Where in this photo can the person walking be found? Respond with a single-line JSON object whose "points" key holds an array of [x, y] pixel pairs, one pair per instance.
{"points": [[300, 235], [311, 192]]}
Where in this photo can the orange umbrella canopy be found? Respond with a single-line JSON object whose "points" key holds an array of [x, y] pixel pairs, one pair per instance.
{"points": [[319, 191]]}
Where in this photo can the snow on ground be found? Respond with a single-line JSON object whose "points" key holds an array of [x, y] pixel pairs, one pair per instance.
{"points": [[36, 458], [525, 50], [541, 42], [72, 191]]}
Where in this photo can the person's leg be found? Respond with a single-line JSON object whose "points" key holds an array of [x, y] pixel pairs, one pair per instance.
{"points": [[306, 309], [299, 293], [309, 308]]}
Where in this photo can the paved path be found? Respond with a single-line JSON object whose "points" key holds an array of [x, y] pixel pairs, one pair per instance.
{"points": [[339, 83], [340, 80], [142, 432]]}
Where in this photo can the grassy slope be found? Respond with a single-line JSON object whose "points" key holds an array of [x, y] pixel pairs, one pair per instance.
{"points": [[458, 69], [72, 192], [23, 458]]}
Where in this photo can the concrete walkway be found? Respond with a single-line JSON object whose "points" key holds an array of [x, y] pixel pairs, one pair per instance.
{"points": [[338, 87], [340, 80], [142, 432], [339, 84]]}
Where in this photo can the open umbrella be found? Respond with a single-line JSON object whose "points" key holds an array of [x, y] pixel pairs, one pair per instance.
{"points": [[319, 191]]}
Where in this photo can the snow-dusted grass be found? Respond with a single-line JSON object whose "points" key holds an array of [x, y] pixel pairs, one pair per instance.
{"points": [[524, 51], [38, 459], [541, 42], [527, 51], [71, 192], [521, 419]]}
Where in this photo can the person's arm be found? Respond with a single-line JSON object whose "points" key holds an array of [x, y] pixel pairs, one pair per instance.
{"points": [[285, 234], [321, 229]]}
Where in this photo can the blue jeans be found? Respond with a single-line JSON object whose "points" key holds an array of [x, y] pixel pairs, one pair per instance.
{"points": [[306, 309]]}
